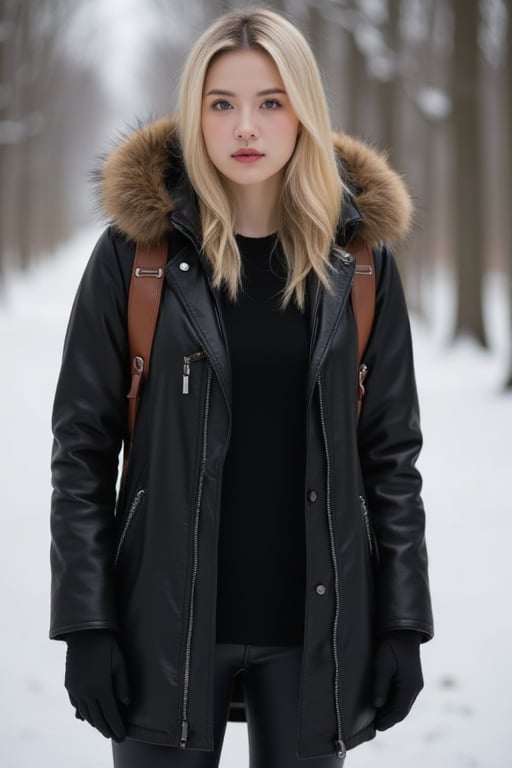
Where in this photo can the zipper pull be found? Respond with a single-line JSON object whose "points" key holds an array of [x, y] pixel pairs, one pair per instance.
{"points": [[184, 734], [187, 359], [341, 749], [186, 373]]}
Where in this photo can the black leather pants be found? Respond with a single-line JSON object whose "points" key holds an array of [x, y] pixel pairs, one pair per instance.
{"points": [[271, 684]]}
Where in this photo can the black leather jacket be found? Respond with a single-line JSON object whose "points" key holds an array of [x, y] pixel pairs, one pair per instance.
{"points": [[145, 565]]}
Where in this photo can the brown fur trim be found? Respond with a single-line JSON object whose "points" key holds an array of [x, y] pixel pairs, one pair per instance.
{"points": [[381, 195], [132, 189]]}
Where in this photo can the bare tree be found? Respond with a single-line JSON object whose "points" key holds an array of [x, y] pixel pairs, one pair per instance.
{"points": [[33, 73], [390, 91], [507, 165], [467, 147], [7, 127], [422, 114], [65, 153]]}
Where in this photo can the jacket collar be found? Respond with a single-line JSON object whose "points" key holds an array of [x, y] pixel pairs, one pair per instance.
{"points": [[324, 310]]}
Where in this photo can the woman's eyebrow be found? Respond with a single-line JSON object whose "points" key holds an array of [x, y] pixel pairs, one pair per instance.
{"points": [[266, 92]]}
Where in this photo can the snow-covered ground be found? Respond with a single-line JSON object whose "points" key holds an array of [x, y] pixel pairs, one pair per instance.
{"points": [[460, 720]]}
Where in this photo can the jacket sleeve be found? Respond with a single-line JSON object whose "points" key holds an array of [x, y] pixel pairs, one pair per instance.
{"points": [[389, 443], [89, 422]]}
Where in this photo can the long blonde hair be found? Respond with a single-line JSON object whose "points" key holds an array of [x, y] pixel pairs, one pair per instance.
{"points": [[312, 191]]}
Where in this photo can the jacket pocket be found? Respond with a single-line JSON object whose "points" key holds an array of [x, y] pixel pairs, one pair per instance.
{"points": [[134, 511]]}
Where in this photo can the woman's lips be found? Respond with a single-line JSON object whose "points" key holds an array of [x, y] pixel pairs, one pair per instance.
{"points": [[247, 158]]}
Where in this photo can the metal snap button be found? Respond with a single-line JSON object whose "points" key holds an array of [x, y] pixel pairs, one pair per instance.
{"points": [[184, 266], [346, 257], [320, 589], [312, 495]]}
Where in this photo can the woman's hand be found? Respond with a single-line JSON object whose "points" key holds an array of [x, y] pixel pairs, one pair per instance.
{"points": [[398, 676], [96, 680]]}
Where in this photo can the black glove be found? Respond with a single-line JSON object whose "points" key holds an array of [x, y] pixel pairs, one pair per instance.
{"points": [[398, 677], [96, 680]]}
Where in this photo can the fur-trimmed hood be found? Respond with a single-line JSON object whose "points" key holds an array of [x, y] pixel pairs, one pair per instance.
{"points": [[135, 194]]}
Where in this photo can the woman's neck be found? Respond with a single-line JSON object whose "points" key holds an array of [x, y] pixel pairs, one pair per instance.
{"points": [[256, 207]]}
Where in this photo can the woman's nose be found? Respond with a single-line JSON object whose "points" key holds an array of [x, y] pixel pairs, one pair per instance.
{"points": [[246, 129], [245, 134]]}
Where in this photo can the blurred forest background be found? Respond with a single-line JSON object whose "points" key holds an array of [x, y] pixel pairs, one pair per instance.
{"points": [[427, 81]]}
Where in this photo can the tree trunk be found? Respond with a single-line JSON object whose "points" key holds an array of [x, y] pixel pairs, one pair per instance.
{"points": [[389, 91], [418, 149], [468, 203], [25, 106], [391, 135], [6, 70], [507, 167], [356, 78]]}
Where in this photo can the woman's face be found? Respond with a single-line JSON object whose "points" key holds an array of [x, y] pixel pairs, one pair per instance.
{"points": [[245, 108]]}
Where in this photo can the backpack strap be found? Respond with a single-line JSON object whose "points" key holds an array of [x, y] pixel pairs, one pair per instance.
{"points": [[144, 297], [363, 304]]}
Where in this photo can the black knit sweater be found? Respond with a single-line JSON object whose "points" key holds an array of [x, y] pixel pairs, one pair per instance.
{"points": [[261, 570]]}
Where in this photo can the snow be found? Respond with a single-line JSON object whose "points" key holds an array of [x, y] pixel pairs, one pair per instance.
{"points": [[460, 719], [434, 103]]}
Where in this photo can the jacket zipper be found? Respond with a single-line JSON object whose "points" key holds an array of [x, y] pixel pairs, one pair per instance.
{"points": [[129, 517], [187, 359], [341, 750], [195, 565], [364, 510]]}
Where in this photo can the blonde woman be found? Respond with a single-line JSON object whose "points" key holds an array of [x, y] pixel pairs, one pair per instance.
{"points": [[265, 558]]}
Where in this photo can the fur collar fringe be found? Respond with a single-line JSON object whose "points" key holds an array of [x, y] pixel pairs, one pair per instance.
{"points": [[132, 192]]}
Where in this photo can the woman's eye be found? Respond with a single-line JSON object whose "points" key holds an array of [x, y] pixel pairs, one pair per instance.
{"points": [[274, 103], [221, 105]]}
